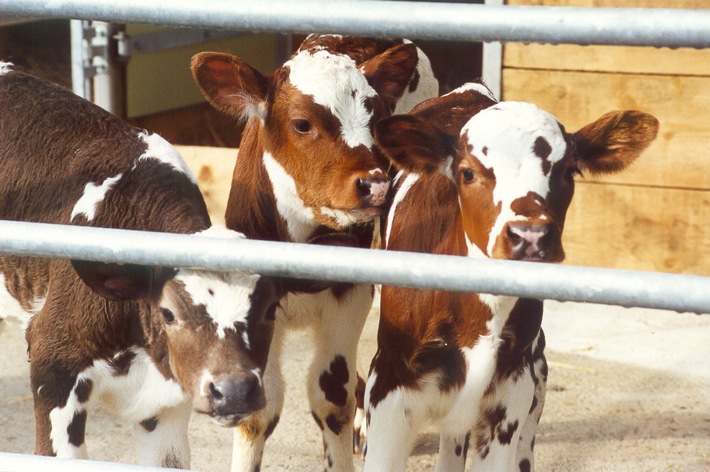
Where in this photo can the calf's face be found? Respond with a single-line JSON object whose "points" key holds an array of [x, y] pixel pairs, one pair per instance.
{"points": [[218, 329], [315, 119], [513, 165], [210, 331]]}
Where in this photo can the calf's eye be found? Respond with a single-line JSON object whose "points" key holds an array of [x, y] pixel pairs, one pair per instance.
{"points": [[168, 316], [468, 175], [302, 126]]}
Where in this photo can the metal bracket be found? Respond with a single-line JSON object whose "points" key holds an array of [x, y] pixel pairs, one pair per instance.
{"points": [[93, 63], [95, 48]]}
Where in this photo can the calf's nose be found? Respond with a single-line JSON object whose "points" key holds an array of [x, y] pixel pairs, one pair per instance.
{"points": [[373, 192], [530, 241], [230, 397]]}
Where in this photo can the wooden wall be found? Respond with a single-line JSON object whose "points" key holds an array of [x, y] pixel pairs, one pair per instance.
{"points": [[656, 215]]}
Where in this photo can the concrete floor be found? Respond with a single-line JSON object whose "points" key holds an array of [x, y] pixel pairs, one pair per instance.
{"points": [[628, 390]]}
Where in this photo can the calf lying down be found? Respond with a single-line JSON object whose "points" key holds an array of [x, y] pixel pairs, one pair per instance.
{"points": [[152, 343]]}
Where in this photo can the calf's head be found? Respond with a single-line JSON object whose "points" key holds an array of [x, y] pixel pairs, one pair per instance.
{"points": [[210, 331], [313, 119], [513, 164]]}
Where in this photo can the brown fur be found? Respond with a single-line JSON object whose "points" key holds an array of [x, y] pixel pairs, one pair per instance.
{"points": [[53, 144]]}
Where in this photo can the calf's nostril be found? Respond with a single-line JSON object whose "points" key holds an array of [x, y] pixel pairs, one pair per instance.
{"points": [[214, 391], [363, 186], [513, 234]]}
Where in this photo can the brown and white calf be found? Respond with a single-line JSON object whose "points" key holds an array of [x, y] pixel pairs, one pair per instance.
{"points": [[308, 166], [152, 343], [482, 179]]}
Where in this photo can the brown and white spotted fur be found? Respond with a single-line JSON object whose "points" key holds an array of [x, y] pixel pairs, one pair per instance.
{"points": [[150, 343], [482, 179], [308, 166]]}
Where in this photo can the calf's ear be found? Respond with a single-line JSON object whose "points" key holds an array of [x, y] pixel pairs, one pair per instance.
{"points": [[230, 84], [413, 144], [611, 143], [121, 282], [389, 73]]}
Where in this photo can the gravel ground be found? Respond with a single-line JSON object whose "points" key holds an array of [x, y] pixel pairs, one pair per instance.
{"points": [[628, 390]]}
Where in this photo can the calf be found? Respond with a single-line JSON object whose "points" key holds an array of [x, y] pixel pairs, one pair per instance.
{"points": [[307, 166], [482, 179], [150, 342]]}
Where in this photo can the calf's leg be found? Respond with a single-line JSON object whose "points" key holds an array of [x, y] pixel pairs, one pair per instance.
{"points": [[392, 427], [526, 444], [452, 453], [332, 377], [161, 440], [60, 411]]}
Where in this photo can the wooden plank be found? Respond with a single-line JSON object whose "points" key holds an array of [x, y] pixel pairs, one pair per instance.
{"points": [[637, 228], [630, 60], [213, 167], [642, 60], [678, 158]]}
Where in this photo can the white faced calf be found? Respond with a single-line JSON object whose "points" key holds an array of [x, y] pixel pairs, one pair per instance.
{"points": [[151, 342], [307, 166], [482, 179]]}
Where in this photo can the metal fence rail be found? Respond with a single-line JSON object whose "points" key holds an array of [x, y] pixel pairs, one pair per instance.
{"points": [[683, 293], [574, 25], [26, 463]]}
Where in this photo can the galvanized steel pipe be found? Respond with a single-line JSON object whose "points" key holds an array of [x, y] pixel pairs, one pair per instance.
{"points": [[683, 293], [574, 25], [10, 462]]}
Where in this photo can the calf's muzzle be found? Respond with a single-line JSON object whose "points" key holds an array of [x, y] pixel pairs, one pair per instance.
{"points": [[533, 241], [232, 400], [373, 191]]}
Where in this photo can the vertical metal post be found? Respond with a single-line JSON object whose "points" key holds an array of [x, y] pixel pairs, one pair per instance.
{"points": [[97, 70], [108, 81], [493, 62], [81, 85], [283, 49]]}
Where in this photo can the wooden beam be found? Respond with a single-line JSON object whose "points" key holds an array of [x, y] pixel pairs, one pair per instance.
{"points": [[678, 158], [625, 227]]}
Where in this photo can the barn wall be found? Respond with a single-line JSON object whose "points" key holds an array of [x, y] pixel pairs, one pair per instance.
{"points": [[152, 89], [654, 216], [213, 167]]}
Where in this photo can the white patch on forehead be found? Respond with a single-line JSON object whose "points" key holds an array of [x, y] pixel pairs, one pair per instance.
{"points": [[158, 148], [92, 196], [334, 82], [225, 295], [5, 67], [299, 218], [503, 139]]}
